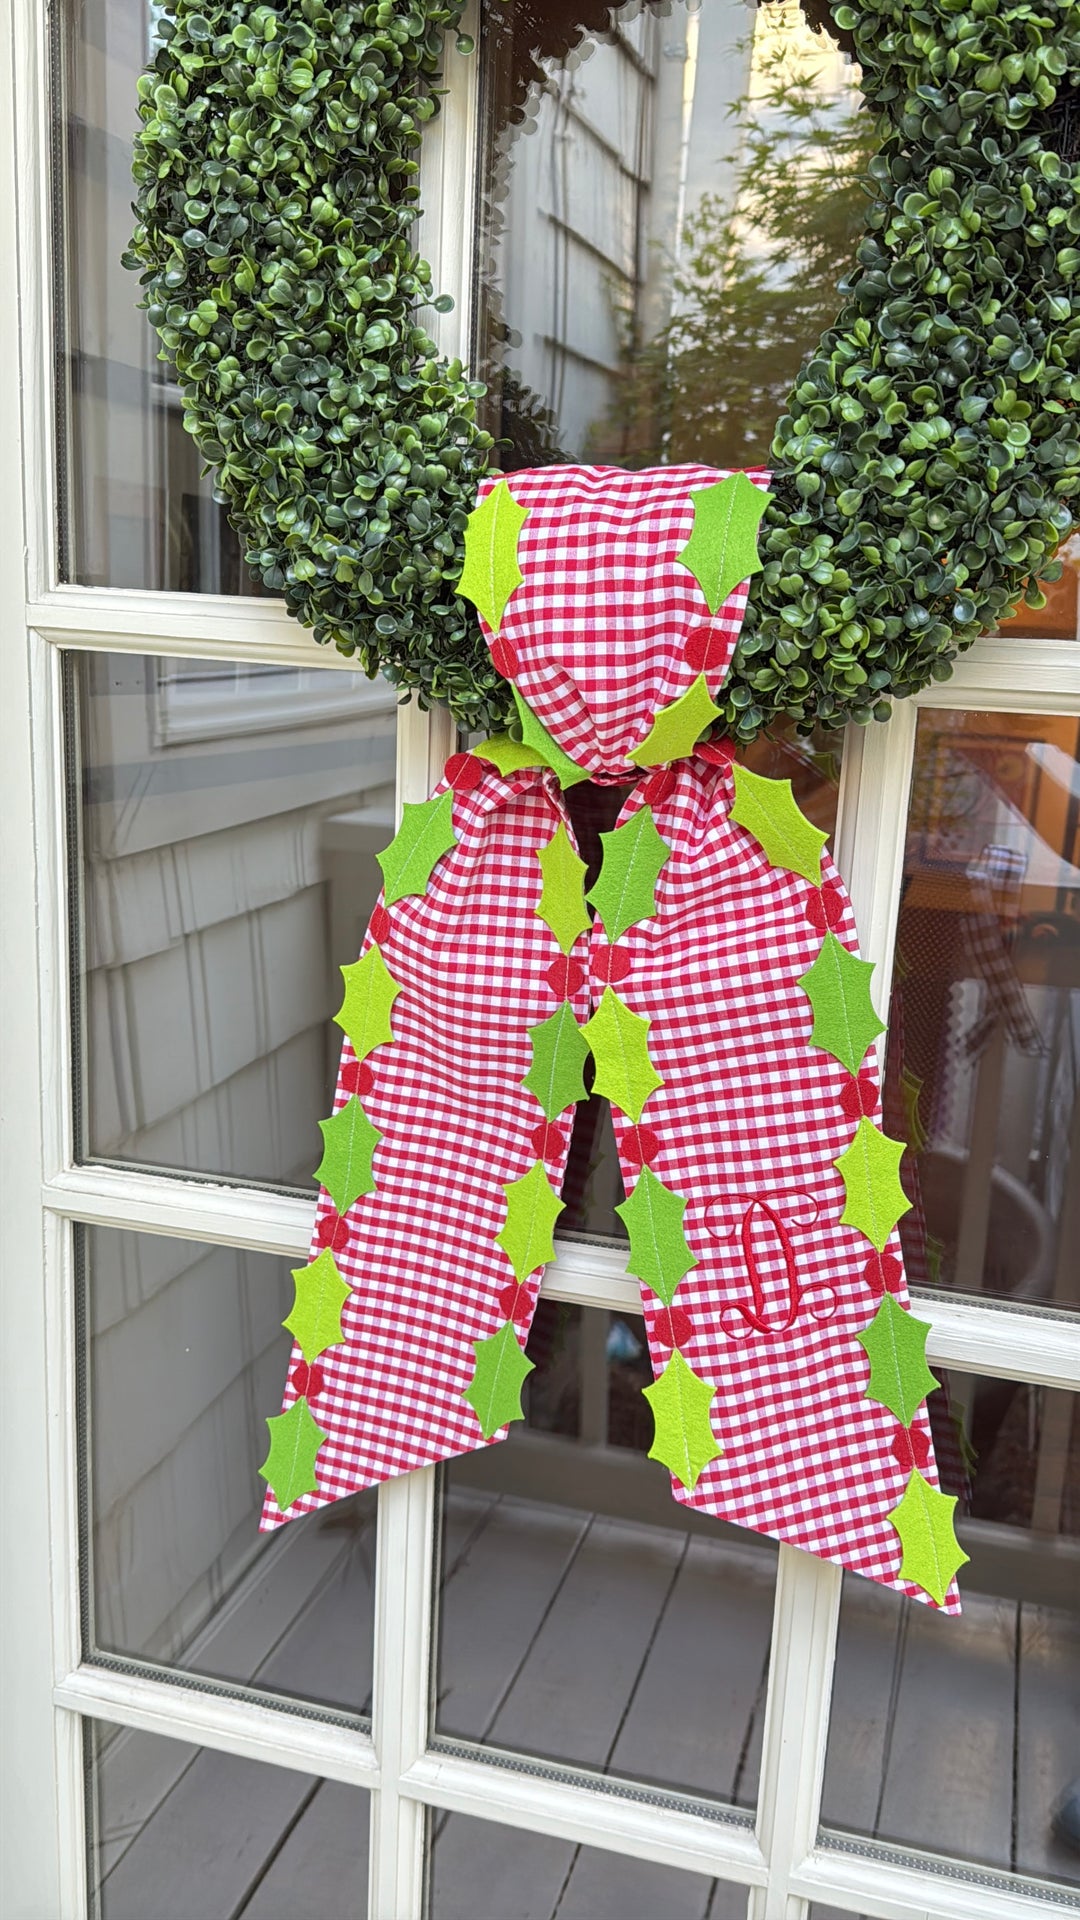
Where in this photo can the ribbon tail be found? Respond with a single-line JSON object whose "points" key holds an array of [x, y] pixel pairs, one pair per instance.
{"points": [[445, 1152]]}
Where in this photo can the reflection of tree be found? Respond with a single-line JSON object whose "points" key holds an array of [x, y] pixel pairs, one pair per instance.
{"points": [[757, 282]]}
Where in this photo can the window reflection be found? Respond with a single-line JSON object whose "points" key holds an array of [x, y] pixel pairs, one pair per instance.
{"points": [[227, 818], [984, 1039], [959, 1735], [585, 1617], [669, 196]]}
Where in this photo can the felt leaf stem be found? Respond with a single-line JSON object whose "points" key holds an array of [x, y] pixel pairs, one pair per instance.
{"points": [[767, 809], [895, 1343], [684, 1441], [625, 890], [924, 1520], [349, 1142], [289, 1467], [722, 549], [838, 989], [659, 1254], [491, 571], [875, 1200], [425, 834], [562, 897], [560, 1051], [494, 1392], [619, 1040], [315, 1320], [532, 1208], [370, 992]]}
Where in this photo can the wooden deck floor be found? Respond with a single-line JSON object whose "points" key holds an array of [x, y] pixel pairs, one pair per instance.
{"points": [[634, 1649]]}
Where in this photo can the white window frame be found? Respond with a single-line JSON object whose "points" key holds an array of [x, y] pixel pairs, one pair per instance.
{"points": [[778, 1855]]}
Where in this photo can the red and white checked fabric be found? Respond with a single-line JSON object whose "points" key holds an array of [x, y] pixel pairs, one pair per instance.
{"points": [[750, 1117]]}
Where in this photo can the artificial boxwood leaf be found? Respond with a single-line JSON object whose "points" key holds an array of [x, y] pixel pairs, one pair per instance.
{"points": [[620, 1043], [683, 1440], [722, 549], [532, 1208], [625, 890], [370, 992], [837, 986], [767, 809], [491, 571], [875, 1200], [315, 1320], [896, 1345], [924, 1520], [289, 1467], [349, 1141], [425, 834], [559, 1050], [494, 1392], [653, 1216], [677, 727], [562, 896], [536, 736]]}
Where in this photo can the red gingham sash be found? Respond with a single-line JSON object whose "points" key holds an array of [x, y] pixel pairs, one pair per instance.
{"points": [[747, 1124]]}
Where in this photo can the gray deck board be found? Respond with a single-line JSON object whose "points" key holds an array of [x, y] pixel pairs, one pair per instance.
{"points": [[321, 1871]]}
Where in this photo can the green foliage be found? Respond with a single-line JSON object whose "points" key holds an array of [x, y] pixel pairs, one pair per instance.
{"points": [[532, 1208], [683, 1440], [653, 1217], [559, 1053], [722, 550], [289, 1467], [633, 858], [491, 573], [494, 1392], [425, 834], [837, 986], [927, 456], [315, 1318]]}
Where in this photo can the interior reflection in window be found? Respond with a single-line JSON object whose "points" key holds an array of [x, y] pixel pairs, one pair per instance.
{"points": [[984, 1037], [669, 197]]}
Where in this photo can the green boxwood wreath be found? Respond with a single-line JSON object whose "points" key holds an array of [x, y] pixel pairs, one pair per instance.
{"points": [[926, 467]]}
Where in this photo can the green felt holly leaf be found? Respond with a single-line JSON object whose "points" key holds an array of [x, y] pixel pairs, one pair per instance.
{"points": [[625, 890], [875, 1200], [924, 1520], [767, 809], [370, 992], [838, 988], [536, 736], [559, 1050], [532, 1208], [620, 1043], [683, 1440], [659, 1254], [896, 1344], [315, 1320], [678, 727], [494, 1392], [289, 1467], [722, 549], [491, 572], [349, 1141], [508, 755], [562, 896], [425, 834]]}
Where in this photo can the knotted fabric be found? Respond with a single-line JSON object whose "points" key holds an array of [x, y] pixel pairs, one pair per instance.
{"points": [[718, 990]]}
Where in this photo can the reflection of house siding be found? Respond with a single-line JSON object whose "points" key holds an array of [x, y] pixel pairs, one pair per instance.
{"points": [[226, 880]]}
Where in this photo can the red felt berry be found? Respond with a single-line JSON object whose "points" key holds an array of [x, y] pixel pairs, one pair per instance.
{"points": [[901, 1449], [640, 1145], [380, 924], [356, 1077], [883, 1271], [504, 659], [859, 1097], [333, 1232], [464, 772], [565, 976], [824, 909], [658, 786], [547, 1142], [515, 1303], [718, 753], [704, 647], [672, 1327], [307, 1380], [610, 965]]}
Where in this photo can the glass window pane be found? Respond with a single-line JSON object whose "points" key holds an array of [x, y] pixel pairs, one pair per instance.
{"points": [[182, 1361], [960, 1735], [668, 201], [227, 819], [585, 1616], [480, 1871], [134, 509], [593, 1185], [1060, 618], [984, 1034], [183, 1833]]}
